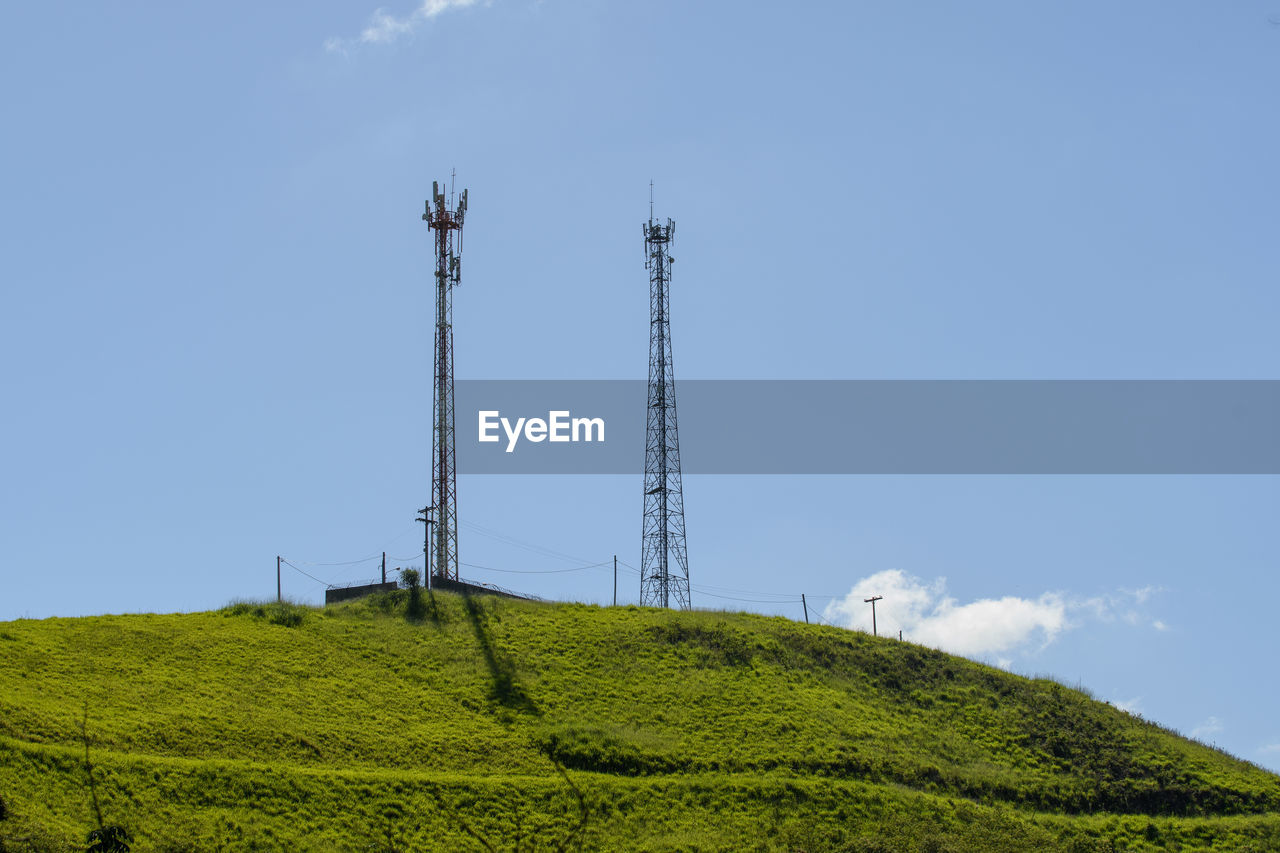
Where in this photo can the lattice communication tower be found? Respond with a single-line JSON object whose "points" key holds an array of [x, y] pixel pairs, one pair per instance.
{"points": [[664, 564], [444, 216]]}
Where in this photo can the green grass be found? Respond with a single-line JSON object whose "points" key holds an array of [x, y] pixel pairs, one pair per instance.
{"points": [[261, 727]]}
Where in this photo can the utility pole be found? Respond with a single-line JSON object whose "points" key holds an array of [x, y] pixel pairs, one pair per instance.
{"points": [[805, 604], [615, 580], [279, 598], [425, 518], [384, 567], [872, 601], [662, 584]]}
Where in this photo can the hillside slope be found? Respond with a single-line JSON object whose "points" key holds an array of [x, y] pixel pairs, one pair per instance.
{"points": [[358, 728]]}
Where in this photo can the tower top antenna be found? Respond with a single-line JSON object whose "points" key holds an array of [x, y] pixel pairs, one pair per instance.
{"points": [[651, 199]]}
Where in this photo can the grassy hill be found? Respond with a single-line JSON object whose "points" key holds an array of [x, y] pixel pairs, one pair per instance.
{"points": [[358, 728]]}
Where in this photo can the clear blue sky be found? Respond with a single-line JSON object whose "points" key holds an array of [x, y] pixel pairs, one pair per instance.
{"points": [[215, 333]]}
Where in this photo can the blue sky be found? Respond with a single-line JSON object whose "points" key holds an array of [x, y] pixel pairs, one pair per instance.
{"points": [[217, 313]]}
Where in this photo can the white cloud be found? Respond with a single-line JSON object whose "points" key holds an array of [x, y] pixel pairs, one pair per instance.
{"points": [[1208, 728], [384, 28], [994, 627], [1270, 748], [1131, 706], [925, 614]]}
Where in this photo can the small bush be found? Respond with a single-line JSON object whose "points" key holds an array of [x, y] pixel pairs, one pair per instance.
{"points": [[108, 839], [245, 608], [287, 614], [413, 580], [290, 614]]}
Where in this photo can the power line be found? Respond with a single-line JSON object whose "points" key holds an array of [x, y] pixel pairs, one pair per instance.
{"points": [[785, 595], [537, 571], [490, 533], [401, 536], [749, 596], [301, 572], [824, 619], [344, 562], [795, 599]]}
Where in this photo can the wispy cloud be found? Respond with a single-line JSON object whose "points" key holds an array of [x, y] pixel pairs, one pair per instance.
{"points": [[384, 28], [1270, 749], [1207, 729], [1131, 706], [996, 627], [1124, 605]]}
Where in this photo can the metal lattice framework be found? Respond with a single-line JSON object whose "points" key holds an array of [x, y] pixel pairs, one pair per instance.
{"points": [[444, 217], [664, 564]]}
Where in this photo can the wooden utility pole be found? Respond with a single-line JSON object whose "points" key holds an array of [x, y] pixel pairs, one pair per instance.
{"points": [[805, 604], [279, 598], [872, 601], [425, 518], [615, 580], [384, 567]]}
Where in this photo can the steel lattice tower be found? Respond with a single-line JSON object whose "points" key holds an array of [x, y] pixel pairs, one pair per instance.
{"points": [[445, 218], [664, 564]]}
